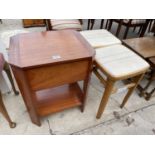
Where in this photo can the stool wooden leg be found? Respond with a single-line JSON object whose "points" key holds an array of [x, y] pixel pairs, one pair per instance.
{"points": [[106, 95], [85, 88], [5, 113], [136, 80], [8, 72]]}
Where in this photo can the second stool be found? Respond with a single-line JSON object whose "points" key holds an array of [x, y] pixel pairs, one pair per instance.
{"points": [[118, 63], [100, 38]]}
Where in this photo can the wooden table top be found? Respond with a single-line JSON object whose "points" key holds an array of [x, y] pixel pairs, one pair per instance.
{"points": [[144, 46], [50, 47]]}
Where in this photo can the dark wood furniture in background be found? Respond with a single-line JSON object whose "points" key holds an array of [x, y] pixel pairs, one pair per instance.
{"points": [[47, 67], [4, 66], [33, 22], [128, 23], [5, 113], [153, 28], [145, 47], [91, 23], [151, 79]]}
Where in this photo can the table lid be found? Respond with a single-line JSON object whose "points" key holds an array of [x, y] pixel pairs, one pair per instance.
{"points": [[42, 48]]}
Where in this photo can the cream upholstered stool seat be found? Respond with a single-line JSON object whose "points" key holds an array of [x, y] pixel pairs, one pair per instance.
{"points": [[100, 38], [118, 63]]}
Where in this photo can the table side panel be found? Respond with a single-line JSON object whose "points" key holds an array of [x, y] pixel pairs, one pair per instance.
{"points": [[56, 75], [26, 93]]}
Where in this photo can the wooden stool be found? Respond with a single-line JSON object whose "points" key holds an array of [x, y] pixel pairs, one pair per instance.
{"points": [[118, 63], [100, 38]]}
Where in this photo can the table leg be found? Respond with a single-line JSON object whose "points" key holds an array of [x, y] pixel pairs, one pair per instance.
{"points": [[27, 93], [85, 86], [5, 113], [8, 72]]}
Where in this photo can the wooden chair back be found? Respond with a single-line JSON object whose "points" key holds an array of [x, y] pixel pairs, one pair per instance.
{"points": [[49, 26]]}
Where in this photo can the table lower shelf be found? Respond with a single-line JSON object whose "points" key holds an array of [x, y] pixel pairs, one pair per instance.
{"points": [[57, 99]]}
